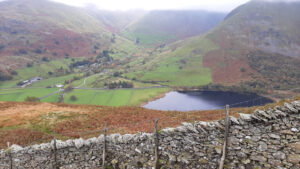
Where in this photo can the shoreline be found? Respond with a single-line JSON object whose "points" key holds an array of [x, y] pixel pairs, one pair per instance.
{"points": [[270, 96], [154, 98], [266, 96]]}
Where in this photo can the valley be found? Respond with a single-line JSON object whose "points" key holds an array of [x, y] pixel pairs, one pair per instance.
{"points": [[67, 72], [194, 61]]}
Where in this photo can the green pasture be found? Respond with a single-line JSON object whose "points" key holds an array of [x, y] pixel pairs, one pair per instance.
{"points": [[120, 97], [21, 94], [181, 66]]}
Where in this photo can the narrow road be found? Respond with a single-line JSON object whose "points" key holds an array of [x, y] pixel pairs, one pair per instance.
{"points": [[140, 88], [51, 94], [85, 79]]}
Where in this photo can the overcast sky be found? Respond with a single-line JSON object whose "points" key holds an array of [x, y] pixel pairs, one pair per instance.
{"points": [[212, 5]]}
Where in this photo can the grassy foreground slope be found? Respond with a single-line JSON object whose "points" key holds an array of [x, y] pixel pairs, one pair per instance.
{"points": [[40, 122]]}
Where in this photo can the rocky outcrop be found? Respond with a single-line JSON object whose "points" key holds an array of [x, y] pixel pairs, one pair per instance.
{"points": [[264, 139]]}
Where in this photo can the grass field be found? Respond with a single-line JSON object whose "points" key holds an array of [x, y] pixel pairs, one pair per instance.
{"points": [[90, 81], [41, 70], [21, 94], [53, 81], [120, 97], [179, 66]]}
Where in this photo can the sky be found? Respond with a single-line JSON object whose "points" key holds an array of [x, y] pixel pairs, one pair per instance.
{"points": [[210, 5]]}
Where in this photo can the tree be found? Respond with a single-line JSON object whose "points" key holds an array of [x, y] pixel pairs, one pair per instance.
{"points": [[76, 78], [137, 41], [21, 83], [113, 38], [22, 51], [73, 98], [243, 69], [32, 99], [4, 77], [69, 88], [105, 53], [45, 59], [116, 74], [38, 51], [13, 72], [120, 84], [79, 63], [2, 47], [29, 64], [96, 47]]}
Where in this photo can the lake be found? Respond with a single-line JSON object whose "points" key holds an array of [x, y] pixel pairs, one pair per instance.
{"points": [[205, 100]]}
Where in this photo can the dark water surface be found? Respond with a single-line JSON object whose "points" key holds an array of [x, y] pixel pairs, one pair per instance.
{"points": [[205, 100]]}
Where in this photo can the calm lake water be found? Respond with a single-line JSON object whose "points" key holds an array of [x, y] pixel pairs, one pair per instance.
{"points": [[207, 100]]}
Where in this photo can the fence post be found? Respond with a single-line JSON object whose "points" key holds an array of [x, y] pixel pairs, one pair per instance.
{"points": [[194, 123], [156, 145], [104, 148], [54, 152], [221, 166], [9, 156]]}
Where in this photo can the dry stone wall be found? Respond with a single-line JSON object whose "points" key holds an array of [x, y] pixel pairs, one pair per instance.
{"points": [[264, 139]]}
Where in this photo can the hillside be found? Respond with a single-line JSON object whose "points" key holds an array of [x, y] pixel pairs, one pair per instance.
{"points": [[72, 121], [260, 25], [255, 48], [83, 48], [32, 29], [261, 43], [158, 27]]}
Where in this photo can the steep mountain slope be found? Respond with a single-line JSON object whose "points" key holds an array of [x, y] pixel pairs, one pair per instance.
{"points": [[32, 29], [253, 34], [256, 47], [158, 27], [269, 26]]}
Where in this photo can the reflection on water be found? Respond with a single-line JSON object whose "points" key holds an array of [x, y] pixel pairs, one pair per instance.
{"points": [[207, 100]]}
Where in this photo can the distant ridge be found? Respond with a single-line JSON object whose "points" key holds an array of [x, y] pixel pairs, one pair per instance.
{"points": [[163, 26]]}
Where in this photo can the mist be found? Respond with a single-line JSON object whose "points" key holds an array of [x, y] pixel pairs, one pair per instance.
{"points": [[213, 5], [120, 5], [287, 1]]}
